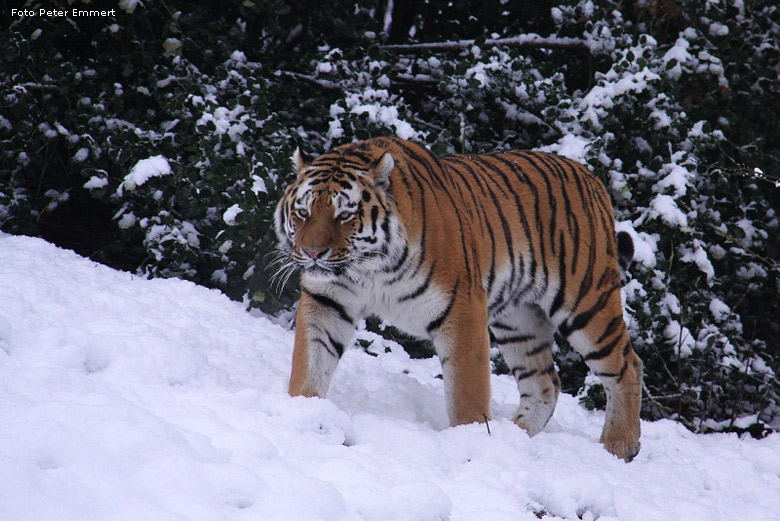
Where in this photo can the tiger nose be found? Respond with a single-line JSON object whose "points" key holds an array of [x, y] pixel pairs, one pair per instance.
{"points": [[315, 253]]}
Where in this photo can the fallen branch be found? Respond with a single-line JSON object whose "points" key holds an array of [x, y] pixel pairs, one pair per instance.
{"points": [[531, 41]]}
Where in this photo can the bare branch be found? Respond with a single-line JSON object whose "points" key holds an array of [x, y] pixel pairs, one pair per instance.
{"points": [[769, 263], [387, 22], [531, 41], [422, 79], [324, 84], [35, 86]]}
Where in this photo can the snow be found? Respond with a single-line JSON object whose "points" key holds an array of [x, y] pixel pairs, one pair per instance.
{"points": [[230, 215], [96, 182], [557, 15], [335, 130], [238, 56], [676, 56], [750, 231], [673, 176], [571, 146], [718, 29], [129, 6], [699, 257], [127, 220], [258, 185], [596, 103], [124, 398], [645, 245], [368, 103], [81, 155], [145, 169], [680, 337], [719, 309], [226, 121], [666, 207], [324, 68], [48, 131], [185, 234]]}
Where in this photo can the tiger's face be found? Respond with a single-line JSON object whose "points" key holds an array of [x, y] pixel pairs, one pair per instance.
{"points": [[334, 218]]}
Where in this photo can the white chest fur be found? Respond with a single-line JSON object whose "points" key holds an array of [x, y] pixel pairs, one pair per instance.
{"points": [[387, 295]]}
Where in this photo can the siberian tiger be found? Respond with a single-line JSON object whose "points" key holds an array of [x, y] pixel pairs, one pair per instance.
{"points": [[519, 244]]}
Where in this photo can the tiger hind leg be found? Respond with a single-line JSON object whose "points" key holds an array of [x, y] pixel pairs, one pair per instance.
{"points": [[604, 343], [524, 336]]}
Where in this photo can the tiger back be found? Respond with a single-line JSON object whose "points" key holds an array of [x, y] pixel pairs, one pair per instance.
{"points": [[517, 244]]}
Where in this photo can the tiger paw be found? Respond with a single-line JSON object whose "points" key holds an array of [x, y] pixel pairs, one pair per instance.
{"points": [[623, 448], [531, 420]]}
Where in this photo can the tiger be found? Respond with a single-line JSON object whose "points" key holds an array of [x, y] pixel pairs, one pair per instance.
{"points": [[461, 250]]}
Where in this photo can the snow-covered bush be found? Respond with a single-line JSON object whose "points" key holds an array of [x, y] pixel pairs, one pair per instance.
{"points": [[177, 146]]}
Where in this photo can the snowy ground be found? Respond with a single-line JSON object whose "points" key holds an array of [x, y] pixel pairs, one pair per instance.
{"points": [[146, 400]]}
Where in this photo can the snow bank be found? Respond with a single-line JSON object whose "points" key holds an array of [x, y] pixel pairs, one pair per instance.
{"points": [[127, 399]]}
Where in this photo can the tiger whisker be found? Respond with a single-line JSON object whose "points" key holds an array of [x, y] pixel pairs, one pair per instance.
{"points": [[279, 261], [350, 271], [287, 278], [281, 269], [276, 253], [279, 257], [282, 275]]}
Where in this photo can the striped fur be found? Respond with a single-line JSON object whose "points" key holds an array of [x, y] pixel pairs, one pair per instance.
{"points": [[518, 244]]}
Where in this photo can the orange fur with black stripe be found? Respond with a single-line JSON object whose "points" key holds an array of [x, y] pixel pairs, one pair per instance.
{"points": [[519, 244]]}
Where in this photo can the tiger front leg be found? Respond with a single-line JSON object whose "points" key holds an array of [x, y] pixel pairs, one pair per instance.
{"points": [[323, 329], [463, 347]]}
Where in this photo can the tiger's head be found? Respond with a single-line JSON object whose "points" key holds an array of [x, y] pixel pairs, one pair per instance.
{"points": [[335, 217]]}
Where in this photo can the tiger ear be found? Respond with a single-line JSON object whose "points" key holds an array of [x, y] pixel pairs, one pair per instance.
{"points": [[299, 161], [382, 170]]}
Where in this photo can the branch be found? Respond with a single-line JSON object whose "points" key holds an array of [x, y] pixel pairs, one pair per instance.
{"points": [[35, 86], [416, 79], [420, 79], [742, 170], [772, 265], [325, 84], [530, 41], [387, 22], [671, 412]]}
